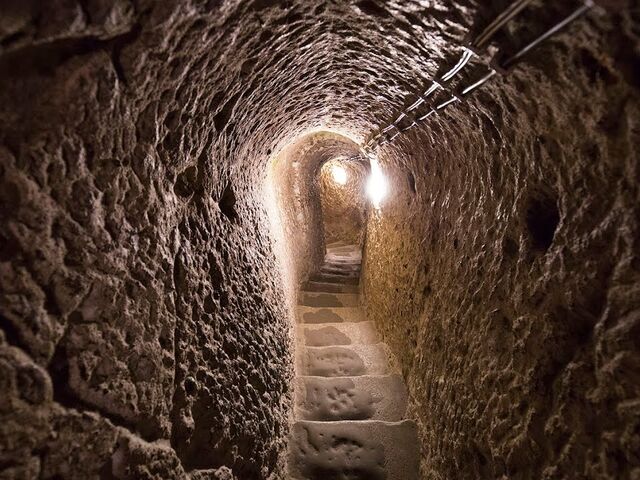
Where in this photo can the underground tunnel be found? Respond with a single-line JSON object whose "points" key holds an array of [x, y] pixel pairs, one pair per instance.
{"points": [[314, 240]]}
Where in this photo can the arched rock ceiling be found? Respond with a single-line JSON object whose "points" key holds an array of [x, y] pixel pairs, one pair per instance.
{"points": [[134, 140], [242, 74]]}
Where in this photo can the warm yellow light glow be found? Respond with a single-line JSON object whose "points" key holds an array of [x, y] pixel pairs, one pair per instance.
{"points": [[338, 174], [377, 184]]}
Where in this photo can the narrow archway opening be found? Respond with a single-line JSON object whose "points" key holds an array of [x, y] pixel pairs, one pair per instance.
{"points": [[308, 204], [345, 377]]}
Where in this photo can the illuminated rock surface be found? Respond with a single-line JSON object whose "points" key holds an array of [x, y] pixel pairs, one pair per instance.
{"points": [[148, 298]]}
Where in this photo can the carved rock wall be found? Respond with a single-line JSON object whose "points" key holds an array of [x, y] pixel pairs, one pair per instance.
{"points": [[145, 332], [344, 206], [142, 305], [503, 267]]}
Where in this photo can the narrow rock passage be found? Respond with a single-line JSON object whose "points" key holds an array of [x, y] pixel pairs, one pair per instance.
{"points": [[350, 405]]}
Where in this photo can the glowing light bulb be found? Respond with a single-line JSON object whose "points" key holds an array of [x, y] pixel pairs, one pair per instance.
{"points": [[339, 174], [377, 184]]}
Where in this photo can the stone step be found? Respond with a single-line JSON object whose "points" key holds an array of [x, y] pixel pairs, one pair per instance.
{"points": [[366, 450], [343, 361], [343, 271], [367, 397], [343, 249], [343, 257], [314, 299], [347, 250], [331, 278], [315, 315], [346, 333], [330, 287], [340, 273], [338, 243], [354, 266], [341, 263]]}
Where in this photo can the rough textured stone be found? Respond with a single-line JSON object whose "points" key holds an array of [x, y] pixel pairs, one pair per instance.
{"points": [[146, 297], [39, 439], [343, 206], [503, 267]]}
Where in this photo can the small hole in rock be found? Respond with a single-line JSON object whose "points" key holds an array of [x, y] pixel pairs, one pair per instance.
{"points": [[209, 305], [9, 248], [542, 219], [510, 247], [227, 203], [185, 182], [369, 7], [190, 386]]}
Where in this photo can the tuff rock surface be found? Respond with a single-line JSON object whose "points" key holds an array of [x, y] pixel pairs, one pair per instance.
{"points": [[344, 206], [503, 267], [143, 298]]}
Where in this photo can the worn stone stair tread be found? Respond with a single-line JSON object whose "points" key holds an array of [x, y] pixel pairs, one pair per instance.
{"points": [[343, 361], [365, 397], [341, 243], [328, 287], [343, 251], [316, 315], [343, 259], [331, 246], [374, 449], [343, 256], [344, 333], [340, 271], [338, 243], [343, 266], [338, 279], [316, 299], [342, 263], [349, 408]]}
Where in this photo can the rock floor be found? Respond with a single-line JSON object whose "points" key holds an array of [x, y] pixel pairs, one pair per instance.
{"points": [[350, 404]]}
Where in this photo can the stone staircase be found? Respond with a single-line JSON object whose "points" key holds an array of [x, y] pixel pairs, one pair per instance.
{"points": [[350, 406]]}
